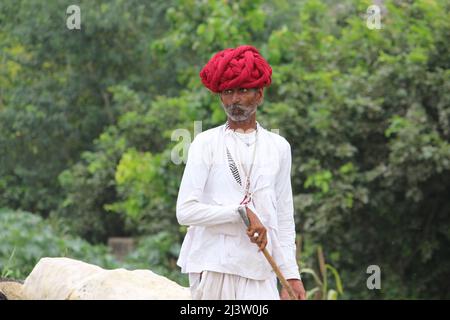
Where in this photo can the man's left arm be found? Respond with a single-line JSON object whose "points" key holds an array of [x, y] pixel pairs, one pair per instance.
{"points": [[286, 226]]}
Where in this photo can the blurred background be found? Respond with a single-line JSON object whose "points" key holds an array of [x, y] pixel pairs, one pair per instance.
{"points": [[86, 118]]}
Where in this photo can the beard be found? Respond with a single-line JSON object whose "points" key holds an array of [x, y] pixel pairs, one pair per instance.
{"points": [[239, 112]]}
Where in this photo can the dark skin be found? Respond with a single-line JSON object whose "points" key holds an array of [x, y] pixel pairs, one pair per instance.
{"points": [[251, 97]]}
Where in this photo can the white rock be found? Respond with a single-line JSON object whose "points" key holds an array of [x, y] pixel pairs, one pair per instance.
{"points": [[64, 278]]}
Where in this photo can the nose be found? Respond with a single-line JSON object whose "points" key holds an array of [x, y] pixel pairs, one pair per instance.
{"points": [[235, 98]]}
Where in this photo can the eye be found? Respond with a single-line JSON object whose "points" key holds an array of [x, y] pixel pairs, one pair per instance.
{"points": [[243, 90], [228, 91]]}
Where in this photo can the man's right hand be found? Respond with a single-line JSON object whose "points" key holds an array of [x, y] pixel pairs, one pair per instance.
{"points": [[256, 231]]}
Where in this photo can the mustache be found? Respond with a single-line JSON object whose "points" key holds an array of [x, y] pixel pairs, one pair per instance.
{"points": [[234, 107], [239, 112]]}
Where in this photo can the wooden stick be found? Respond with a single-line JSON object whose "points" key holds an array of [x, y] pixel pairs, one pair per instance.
{"points": [[280, 276], [269, 258]]}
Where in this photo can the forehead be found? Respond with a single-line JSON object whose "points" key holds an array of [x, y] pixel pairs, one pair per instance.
{"points": [[238, 88]]}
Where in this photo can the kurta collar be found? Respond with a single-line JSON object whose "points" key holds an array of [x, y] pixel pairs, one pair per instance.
{"points": [[228, 130]]}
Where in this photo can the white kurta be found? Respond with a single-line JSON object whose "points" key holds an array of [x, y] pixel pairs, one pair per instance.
{"points": [[209, 197], [244, 144]]}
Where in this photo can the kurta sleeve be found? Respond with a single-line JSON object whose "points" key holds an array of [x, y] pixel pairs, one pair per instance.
{"points": [[190, 210], [285, 211]]}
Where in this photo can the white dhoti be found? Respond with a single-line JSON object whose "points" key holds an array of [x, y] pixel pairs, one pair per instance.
{"points": [[210, 285]]}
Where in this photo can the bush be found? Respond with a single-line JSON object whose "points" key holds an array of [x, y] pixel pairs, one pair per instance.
{"points": [[158, 252], [26, 238]]}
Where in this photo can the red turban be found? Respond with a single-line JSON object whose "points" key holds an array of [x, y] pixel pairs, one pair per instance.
{"points": [[241, 67]]}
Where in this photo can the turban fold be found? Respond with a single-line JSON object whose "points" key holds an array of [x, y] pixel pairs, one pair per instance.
{"points": [[241, 67]]}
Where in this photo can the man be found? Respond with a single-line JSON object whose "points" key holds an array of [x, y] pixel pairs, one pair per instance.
{"points": [[238, 164]]}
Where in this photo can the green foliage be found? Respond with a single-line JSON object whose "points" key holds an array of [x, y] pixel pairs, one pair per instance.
{"points": [[26, 238], [366, 112], [128, 183], [322, 281], [158, 253], [55, 101], [86, 122]]}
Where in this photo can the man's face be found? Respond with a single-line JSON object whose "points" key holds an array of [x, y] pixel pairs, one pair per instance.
{"points": [[240, 103]]}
